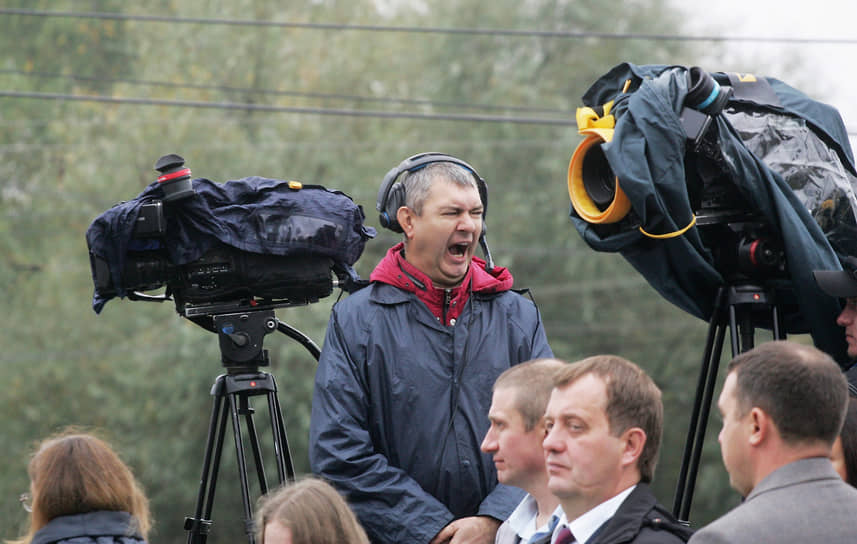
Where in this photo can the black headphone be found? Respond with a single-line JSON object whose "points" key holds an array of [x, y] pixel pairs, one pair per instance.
{"points": [[391, 195]]}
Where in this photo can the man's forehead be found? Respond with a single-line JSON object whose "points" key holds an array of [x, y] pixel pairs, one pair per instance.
{"points": [[586, 393], [728, 391], [445, 186]]}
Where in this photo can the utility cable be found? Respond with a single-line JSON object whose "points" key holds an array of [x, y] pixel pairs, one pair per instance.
{"points": [[291, 109], [493, 32], [299, 110], [277, 92]]}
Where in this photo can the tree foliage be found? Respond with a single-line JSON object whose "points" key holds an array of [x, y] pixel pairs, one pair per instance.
{"points": [[142, 373]]}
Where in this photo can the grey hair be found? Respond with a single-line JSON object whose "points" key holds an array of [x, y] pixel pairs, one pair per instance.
{"points": [[418, 183]]}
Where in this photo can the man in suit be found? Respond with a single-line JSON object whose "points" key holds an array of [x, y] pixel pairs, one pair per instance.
{"points": [[604, 422], [783, 405]]}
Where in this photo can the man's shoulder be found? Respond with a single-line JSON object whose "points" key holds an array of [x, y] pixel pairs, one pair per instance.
{"points": [[831, 504], [375, 292], [641, 519], [660, 527], [739, 523], [514, 300]]}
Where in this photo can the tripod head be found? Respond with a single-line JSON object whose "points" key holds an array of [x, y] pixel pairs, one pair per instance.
{"points": [[241, 334]]}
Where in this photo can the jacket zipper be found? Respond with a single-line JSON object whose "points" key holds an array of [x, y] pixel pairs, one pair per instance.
{"points": [[447, 297]]}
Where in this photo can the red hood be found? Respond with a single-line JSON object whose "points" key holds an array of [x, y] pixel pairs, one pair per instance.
{"points": [[395, 270]]}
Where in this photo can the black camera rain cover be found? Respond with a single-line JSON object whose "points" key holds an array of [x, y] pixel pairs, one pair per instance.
{"points": [[253, 214], [790, 159]]}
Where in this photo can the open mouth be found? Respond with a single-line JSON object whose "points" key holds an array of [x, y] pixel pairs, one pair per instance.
{"points": [[459, 250]]}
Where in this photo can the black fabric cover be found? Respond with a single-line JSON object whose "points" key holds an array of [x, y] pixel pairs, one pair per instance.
{"points": [[253, 214], [811, 209]]}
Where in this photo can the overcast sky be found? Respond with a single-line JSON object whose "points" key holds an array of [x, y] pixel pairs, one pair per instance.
{"points": [[831, 68]]}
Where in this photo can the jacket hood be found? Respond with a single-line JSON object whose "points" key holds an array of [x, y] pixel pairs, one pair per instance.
{"points": [[395, 270], [445, 304]]}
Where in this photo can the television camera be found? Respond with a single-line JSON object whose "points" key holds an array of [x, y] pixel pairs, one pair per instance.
{"points": [[725, 191], [228, 255]]}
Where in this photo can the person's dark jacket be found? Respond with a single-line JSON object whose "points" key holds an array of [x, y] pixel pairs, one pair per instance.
{"points": [[642, 520], [401, 401], [101, 527]]}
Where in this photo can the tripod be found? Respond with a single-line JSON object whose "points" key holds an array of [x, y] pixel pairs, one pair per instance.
{"points": [[241, 335], [738, 306]]}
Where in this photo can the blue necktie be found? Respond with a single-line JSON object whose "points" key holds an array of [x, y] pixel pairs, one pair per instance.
{"points": [[538, 537]]}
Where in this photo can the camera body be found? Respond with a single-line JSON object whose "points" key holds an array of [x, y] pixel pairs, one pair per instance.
{"points": [[222, 273], [247, 243]]}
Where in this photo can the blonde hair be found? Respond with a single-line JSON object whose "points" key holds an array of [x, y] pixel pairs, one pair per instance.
{"points": [[313, 511], [74, 472], [532, 382]]}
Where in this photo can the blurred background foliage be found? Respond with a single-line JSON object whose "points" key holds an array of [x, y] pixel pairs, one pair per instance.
{"points": [[139, 371]]}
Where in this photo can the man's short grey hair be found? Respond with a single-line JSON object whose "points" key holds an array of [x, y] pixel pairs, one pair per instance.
{"points": [[418, 183]]}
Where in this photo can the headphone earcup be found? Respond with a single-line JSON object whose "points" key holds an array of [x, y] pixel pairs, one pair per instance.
{"points": [[395, 200]]}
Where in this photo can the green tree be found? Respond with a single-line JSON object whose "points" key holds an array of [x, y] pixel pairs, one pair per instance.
{"points": [[143, 373]]}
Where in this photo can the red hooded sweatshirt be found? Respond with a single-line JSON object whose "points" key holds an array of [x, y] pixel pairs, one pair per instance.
{"points": [[445, 303]]}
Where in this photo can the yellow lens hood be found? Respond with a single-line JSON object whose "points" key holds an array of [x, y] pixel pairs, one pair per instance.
{"points": [[583, 204]]}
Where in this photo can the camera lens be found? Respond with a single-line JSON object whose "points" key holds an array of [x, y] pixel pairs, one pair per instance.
{"points": [[599, 181]]}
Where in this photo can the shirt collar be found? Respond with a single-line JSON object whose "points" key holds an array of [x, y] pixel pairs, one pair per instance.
{"points": [[585, 526], [523, 520]]}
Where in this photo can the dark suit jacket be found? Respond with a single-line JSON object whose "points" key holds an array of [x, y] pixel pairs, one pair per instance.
{"points": [[804, 501]]}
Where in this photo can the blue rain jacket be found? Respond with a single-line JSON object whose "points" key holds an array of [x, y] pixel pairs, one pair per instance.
{"points": [[401, 403]]}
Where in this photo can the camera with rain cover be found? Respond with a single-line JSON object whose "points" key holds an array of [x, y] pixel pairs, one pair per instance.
{"points": [[704, 179], [249, 242], [725, 191]]}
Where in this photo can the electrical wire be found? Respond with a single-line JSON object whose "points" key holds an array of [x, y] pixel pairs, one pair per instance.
{"points": [[476, 118], [278, 92], [493, 32], [570, 121]]}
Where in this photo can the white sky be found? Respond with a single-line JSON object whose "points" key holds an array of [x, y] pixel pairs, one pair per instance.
{"points": [[828, 72]]}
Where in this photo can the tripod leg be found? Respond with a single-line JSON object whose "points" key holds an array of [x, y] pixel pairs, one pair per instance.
{"points": [[711, 359], [249, 527], [254, 444], [713, 339], [285, 469], [699, 438], [200, 525]]}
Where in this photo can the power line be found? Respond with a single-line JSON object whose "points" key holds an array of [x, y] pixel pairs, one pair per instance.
{"points": [[290, 109], [277, 92], [421, 30], [299, 110]]}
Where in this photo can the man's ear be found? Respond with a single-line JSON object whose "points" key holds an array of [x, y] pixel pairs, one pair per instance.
{"points": [[760, 426], [405, 216], [635, 440]]}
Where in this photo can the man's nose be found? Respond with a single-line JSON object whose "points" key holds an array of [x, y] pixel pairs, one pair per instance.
{"points": [[469, 224], [489, 444], [550, 443]]}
